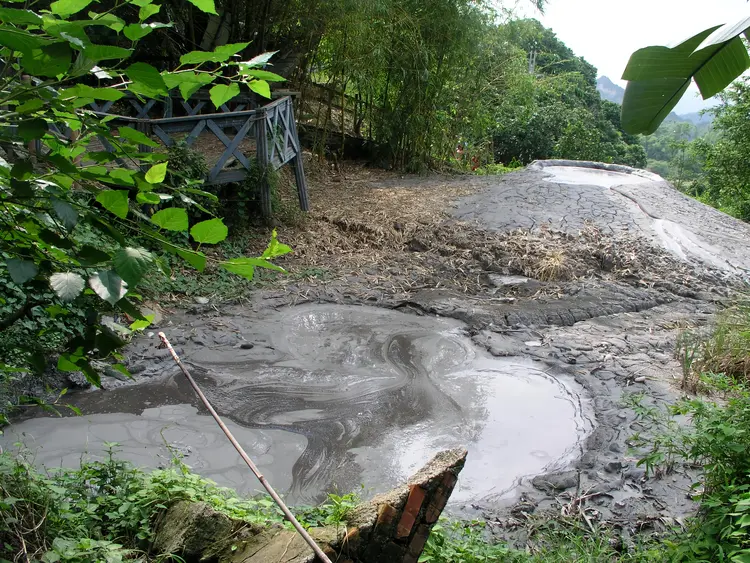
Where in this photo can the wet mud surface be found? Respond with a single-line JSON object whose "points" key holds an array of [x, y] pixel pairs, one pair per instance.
{"points": [[334, 396], [517, 326]]}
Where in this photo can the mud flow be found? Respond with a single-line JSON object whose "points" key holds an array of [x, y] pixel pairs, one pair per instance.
{"points": [[327, 398]]}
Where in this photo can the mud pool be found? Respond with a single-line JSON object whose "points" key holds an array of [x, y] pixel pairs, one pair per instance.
{"points": [[327, 398]]}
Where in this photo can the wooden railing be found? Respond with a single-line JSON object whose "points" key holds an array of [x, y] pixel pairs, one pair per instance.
{"points": [[272, 127]]}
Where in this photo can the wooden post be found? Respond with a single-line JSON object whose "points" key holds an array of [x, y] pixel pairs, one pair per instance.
{"points": [[261, 150], [299, 170]]}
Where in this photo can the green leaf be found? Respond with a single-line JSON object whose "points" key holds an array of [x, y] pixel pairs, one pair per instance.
{"points": [[230, 49], [222, 93], [188, 82], [275, 248], [129, 309], [67, 362], [157, 173], [20, 40], [21, 271], [66, 285], [259, 60], [103, 226], [147, 11], [114, 201], [132, 264], [47, 60], [172, 219], [19, 17], [22, 170], [91, 256], [218, 55], [121, 368], [65, 8], [196, 259], [136, 136], [206, 6], [146, 80], [65, 212], [260, 87], [148, 197], [137, 31], [31, 105], [107, 52], [142, 324], [209, 232], [659, 76], [262, 75], [31, 129], [109, 286]]}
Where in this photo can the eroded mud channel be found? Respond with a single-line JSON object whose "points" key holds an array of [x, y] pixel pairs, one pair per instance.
{"points": [[330, 397]]}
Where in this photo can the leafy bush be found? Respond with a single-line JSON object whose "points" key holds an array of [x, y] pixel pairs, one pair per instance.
{"points": [[103, 511]]}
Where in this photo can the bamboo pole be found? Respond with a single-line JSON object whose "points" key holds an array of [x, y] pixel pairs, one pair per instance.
{"points": [[274, 495]]}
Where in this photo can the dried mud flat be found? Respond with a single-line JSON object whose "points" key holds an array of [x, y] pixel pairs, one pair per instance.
{"points": [[594, 299]]}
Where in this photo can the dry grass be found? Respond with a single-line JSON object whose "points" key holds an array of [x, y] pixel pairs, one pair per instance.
{"points": [[376, 231]]}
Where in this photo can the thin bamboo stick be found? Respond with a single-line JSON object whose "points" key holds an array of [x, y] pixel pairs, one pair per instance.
{"points": [[297, 526]]}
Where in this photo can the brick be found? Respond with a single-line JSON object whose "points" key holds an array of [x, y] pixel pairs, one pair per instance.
{"points": [[386, 515], [411, 511], [419, 540], [436, 506]]}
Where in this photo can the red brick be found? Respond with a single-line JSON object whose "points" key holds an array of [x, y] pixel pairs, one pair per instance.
{"points": [[411, 511]]}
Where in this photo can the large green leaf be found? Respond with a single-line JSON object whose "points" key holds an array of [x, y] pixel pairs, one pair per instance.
{"points": [[65, 212], [245, 267], [114, 201], [47, 60], [218, 55], [147, 11], [260, 87], [172, 219], [209, 232], [67, 285], [222, 93], [19, 17], [188, 82], [136, 31], [21, 271], [98, 53], [196, 259], [132, 263], [157, 173], [206, 6], [30, 129], [20, 40], [65, 8], [109, 286], [261, 74], [146, 80], [136, 136], [84, 91], [659, 76]]}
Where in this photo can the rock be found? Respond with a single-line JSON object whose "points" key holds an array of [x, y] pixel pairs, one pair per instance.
{"points": [[193, 530], [247, 346], [613, 467], [201, 300], [556, 482], [77, 379]]}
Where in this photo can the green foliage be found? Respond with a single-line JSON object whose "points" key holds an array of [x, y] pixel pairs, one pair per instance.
{"points": [[463, 542], [726, 184], [77, 229], [334, 512], [104, 511], [658, 77]]}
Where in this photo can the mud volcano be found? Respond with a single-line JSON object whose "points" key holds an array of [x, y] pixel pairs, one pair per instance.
{"points": [[326, 398]]}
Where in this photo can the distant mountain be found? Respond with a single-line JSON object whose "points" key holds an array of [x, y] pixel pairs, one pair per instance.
{"points": [[696, 118], [608, 90]]}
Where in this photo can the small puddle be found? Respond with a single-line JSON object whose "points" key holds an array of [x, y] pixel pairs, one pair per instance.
{"points": [[332, 397], [591, 176]]}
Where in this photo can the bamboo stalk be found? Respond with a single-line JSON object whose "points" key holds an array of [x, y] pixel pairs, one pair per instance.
{"points": [[274, 495]]}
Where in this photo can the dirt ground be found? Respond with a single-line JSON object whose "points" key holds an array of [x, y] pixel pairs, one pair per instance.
{"points": [[600, 305]]}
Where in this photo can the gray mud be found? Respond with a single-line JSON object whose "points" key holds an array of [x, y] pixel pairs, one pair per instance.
{"points": [[531, 376], [329, 397]]}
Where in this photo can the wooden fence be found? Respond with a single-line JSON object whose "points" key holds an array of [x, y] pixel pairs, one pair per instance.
{"points": [[272, 127]]}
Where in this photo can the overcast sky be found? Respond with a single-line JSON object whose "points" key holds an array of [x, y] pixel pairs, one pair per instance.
{"points": [[606, 32]]}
